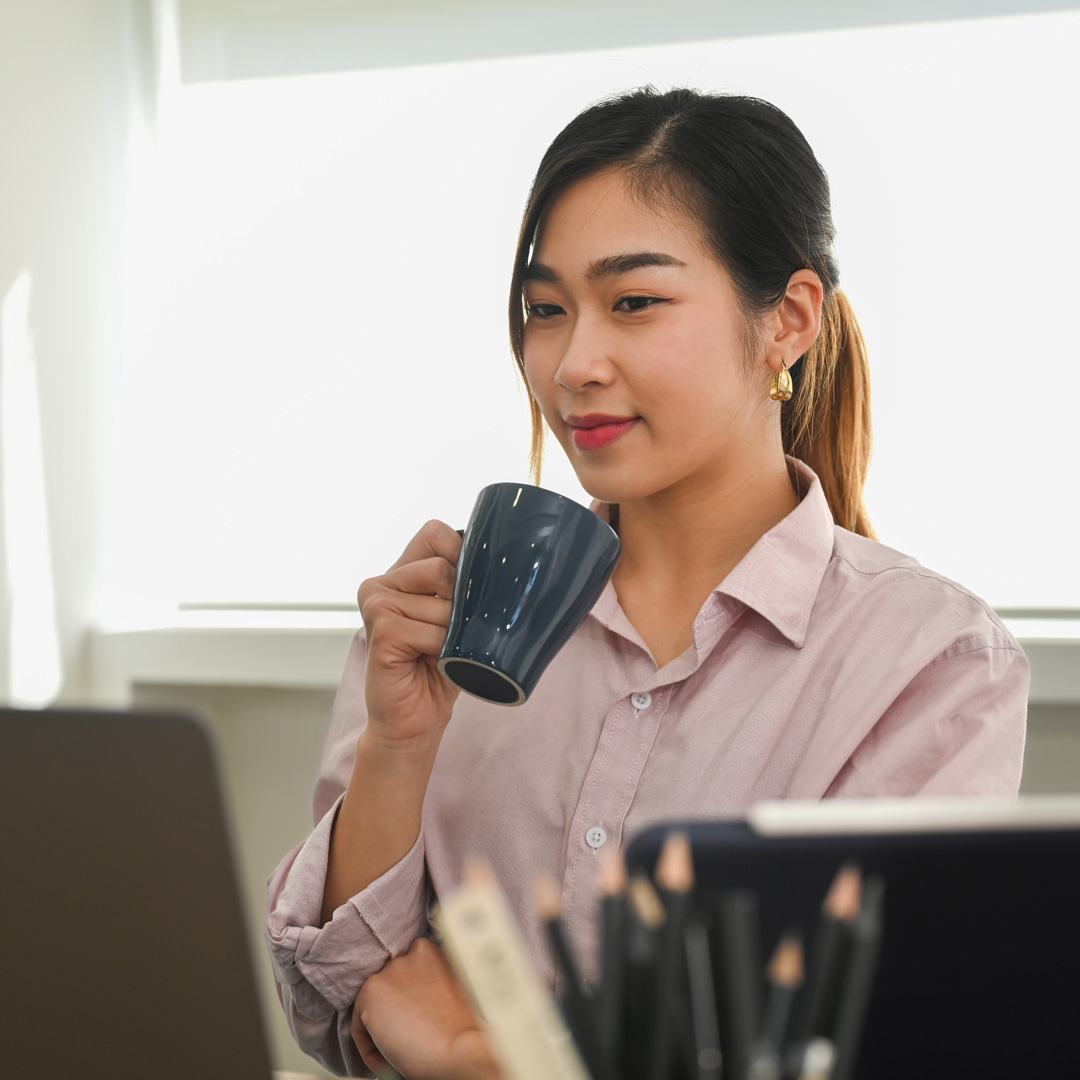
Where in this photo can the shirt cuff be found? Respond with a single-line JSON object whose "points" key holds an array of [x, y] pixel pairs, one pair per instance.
{"points": [[326, 966]]}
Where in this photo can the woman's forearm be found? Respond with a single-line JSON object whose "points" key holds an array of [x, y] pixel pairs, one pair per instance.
{"points": [[379, 818]]}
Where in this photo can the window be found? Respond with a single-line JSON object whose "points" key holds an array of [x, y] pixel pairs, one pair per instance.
{"points": [[322, 359]]}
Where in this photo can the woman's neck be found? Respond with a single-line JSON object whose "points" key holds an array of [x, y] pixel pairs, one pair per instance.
{"points": [[679, 545]]}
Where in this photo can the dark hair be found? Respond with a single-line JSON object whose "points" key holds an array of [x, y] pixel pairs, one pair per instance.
{"points": [[743, 170]]}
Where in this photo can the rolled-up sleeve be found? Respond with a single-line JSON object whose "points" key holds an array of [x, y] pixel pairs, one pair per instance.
{"points": [[320, 968], [957, 728]]}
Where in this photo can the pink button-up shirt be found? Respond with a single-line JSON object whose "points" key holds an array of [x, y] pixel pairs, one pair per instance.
{"points": [[824, 665]]}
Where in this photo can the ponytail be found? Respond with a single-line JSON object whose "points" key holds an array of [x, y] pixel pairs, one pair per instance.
{"points": [[827, 422]]}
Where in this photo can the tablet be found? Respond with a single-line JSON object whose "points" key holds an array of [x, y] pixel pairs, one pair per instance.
{"points": [[978, 969]]}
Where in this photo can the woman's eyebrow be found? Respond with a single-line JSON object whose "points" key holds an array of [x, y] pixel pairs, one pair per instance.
{"points": [[538, 271], [614, 265], [608, 266]]}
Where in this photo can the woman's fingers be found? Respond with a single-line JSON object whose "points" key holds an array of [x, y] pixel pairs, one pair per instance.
{"points": [[422, 1019], [403, 639], [405, 624], [432, 576], [407, 609], [436, 538], [406, 612], [366, 1045], [388, 603]]}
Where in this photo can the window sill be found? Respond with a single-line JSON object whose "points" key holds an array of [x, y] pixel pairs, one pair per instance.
{"points": [[307, 649], [298, 649]]}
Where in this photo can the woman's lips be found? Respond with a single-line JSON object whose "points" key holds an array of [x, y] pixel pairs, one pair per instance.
{"points": [[596, 432]]}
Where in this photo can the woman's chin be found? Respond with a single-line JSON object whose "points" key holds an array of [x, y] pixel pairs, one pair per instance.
{"points": [[610, 488]]}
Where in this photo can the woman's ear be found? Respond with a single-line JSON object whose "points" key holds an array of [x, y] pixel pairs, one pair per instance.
{"points": [[796, 322]]}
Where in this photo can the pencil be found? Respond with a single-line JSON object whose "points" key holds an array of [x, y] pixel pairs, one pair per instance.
{"points": [[675, 878], [646, 917], [708, 1059], [613, 915], [854, 996], [738, 969], [785, 976], [816, 1060], [828, 958], [577, 1007]]}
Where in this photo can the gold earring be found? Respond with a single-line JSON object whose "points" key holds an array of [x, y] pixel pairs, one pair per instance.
{"points": [[780, 389]]}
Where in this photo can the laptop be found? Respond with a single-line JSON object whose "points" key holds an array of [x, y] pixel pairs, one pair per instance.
{"points": [[979, 967], [125, 954]]}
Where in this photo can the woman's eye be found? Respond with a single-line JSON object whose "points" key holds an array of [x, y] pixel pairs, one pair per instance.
{"points": [[638, 303], [543, 311]]}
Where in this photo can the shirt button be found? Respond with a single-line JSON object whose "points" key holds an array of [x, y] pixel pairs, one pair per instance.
{"points": [[596, 837], [641, 701]]}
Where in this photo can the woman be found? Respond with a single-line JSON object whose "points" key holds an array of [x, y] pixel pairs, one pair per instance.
{"points": [[674, 273]]}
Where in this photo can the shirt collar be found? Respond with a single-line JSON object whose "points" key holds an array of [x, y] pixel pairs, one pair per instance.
{"points": [[779, 577]]}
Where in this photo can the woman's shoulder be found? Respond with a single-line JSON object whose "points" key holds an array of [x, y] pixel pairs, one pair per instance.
{"points": [[898, 589], [876, 562]]}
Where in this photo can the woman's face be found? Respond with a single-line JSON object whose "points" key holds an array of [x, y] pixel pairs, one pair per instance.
{"points": [[634, 348]]}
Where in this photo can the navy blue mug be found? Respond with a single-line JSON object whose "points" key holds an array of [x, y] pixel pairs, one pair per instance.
{"points": [[532, 565]]}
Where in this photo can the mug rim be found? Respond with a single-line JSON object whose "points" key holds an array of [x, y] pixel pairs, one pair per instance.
{"points": [[572, 502], [444, 660]]}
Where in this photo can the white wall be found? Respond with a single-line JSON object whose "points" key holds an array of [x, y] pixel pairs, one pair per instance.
{"points": [[68, 85]]}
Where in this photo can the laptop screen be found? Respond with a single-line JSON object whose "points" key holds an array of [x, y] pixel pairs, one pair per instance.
{"points": [[125, 950]]}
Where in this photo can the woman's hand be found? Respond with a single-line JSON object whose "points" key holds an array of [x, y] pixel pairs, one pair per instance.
{"points": [[406, 612], [415, 1017]]}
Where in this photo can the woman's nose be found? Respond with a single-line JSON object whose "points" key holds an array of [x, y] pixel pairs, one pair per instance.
{"points": [[587, 361]]}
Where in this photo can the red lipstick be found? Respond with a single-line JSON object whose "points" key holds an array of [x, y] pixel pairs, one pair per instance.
{"points": [[597, 430]]}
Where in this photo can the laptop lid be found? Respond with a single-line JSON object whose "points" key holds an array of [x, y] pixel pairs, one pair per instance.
{"points": [[124, 946]]}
